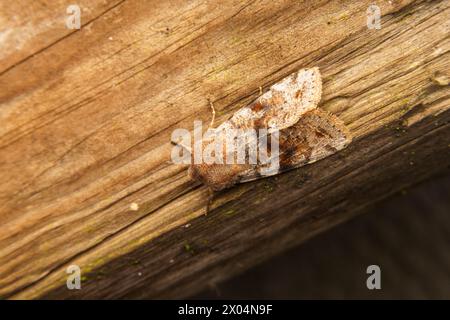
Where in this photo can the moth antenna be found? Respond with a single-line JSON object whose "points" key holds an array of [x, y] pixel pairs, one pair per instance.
{"points": [[213, 110]]}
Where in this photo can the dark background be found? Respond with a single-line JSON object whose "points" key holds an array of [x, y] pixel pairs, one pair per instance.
{"points": [[407, 235]]}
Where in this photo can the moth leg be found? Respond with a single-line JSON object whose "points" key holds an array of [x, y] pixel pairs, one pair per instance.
{"points": [[213, 110]]}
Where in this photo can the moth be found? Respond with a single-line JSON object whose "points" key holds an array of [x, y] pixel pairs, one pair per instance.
{"points": [[305, 134]]}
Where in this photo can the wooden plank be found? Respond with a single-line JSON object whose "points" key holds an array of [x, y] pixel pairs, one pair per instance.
{"points": [[86, 125], [30, 27]]}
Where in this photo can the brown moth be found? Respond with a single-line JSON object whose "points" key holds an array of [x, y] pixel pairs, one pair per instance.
{"points": [[289, 111]]}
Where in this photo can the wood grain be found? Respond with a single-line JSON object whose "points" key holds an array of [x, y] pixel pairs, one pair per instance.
{"points": [[87, 116]]}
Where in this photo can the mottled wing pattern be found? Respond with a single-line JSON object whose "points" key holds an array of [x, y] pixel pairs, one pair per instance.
{"points": [[281, 106], [317, 135]]}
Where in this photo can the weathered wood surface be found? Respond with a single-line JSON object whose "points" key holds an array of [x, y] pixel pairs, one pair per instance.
{"points": [[86, 118]]}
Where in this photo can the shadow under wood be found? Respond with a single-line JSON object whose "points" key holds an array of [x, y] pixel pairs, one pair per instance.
{"points": [[265, 217]]}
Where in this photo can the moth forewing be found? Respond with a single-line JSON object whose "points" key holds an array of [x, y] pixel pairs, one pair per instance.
{"points": [[284, 103], [317, 135]]}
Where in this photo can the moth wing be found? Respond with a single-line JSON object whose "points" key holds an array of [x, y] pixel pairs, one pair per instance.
{"points": [[283, 105], [317, 135]]}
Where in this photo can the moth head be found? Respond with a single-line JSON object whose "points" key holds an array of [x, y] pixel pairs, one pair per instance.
{"points": [[217, 176]]}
